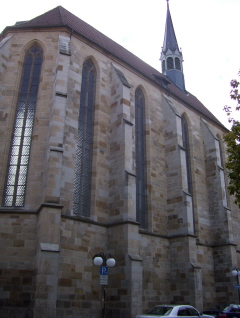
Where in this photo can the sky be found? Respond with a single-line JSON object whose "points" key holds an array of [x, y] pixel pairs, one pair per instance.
{"points": [[206, 30]]}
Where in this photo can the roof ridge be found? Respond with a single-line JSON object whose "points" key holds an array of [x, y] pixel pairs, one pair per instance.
{"points": [[61, 14]]}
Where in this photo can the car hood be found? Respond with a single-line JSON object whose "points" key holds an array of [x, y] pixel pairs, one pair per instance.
{"points": [[147, 316]]}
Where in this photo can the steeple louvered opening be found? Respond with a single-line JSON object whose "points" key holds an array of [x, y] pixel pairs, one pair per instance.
{"points": [[170, 65], [177, 64]]}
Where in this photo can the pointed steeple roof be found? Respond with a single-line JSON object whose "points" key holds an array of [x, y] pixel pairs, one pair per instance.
{"points": [[170, 40], [171, 56]]}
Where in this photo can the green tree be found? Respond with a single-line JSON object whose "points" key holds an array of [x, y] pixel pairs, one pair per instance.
{"points": [[232, 138]]}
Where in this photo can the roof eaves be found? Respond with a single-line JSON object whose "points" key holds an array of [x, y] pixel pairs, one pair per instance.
{"points": [[216, 121], [20, 27]]}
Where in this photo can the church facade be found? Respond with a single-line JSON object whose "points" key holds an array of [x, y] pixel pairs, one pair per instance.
{"points": [[101, 153]]}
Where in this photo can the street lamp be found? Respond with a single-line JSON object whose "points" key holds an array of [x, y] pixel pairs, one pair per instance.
{"points": [[236, 273], [104, 261]]}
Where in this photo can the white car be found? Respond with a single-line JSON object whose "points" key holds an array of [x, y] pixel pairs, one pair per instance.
{"points": [[173, 311]]}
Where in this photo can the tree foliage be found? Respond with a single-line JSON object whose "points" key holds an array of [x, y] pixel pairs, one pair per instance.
{"points": [[233, 163], [232, 138]]}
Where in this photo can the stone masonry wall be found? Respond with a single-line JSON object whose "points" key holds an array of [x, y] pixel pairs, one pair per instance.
{"points": [[17, 267], [79, 290], [46, 252]]}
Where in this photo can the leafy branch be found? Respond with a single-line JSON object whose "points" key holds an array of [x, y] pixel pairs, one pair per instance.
{"points": [[232, 138]]}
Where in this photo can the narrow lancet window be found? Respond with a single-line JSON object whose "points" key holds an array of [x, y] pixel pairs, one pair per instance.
{"points": [[222, 166], [163, 66], [170, 63], [15, 186], [177, 64], [187, 151], [221, 154], [141, 197], [82, 186]]}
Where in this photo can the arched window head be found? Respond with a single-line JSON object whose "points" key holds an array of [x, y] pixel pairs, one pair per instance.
{"points": [[170, 65], [15, 185], [141, 197], [177, 64], [163, 66], [82, 186]]}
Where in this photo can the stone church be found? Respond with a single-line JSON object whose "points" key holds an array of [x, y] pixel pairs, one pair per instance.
{"points": [[102, 155]]}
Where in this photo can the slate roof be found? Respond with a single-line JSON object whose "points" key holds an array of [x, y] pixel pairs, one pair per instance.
{"points": [[170, 40], [59, 17]]}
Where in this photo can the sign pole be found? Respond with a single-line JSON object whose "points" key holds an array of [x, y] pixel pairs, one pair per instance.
{"points": [[103, 302], [238, 289], [104, 282], [107, 261]]}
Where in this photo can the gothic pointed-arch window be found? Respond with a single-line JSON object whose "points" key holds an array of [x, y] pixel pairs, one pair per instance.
{"points": [[185, 139], [177, 64], [170, 63], [82, 186], [16, 179], [141, 197]]}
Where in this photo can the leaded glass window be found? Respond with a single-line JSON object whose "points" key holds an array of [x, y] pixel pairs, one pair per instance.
{"points": [[187, 151], [82, 186], [15, 186], [141, 197]]}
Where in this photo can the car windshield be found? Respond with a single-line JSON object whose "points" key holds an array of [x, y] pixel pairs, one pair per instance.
{"points": [[160, 310], [226, 308], [232, 308]]}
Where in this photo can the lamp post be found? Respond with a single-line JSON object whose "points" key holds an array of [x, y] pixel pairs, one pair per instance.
{"points": [[236, 273], [104, 261]]}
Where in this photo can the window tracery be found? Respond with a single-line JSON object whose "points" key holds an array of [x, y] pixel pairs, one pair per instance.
{"points": [[81, 199], [15, 185], [141, 197]]}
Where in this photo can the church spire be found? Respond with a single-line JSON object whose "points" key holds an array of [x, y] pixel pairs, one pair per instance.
{"points": [[171, 56]]}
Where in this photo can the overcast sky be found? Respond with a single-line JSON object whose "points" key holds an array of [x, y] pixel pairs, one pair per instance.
{"points": [[206, 30]]}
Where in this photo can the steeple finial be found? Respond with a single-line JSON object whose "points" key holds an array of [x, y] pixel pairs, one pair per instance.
{"points": [[171, 56]]}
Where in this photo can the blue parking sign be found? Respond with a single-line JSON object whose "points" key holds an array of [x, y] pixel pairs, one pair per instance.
{"points": [[104, 270]]}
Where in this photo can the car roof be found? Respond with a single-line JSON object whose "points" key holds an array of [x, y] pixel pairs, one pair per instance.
{"points": [[173, 305]]}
